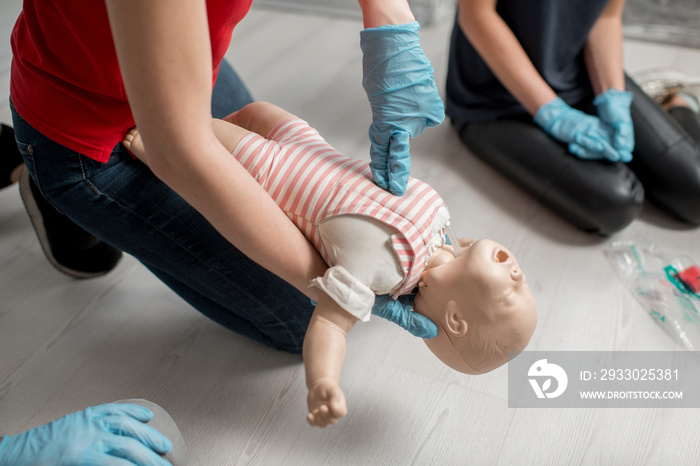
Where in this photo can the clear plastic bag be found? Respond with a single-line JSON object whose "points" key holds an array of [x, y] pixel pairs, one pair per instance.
{"points": [[656, 281]]}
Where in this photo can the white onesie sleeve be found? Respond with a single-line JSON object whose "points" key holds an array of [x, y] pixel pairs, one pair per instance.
{"points": [[362, 260], [348, 292]]}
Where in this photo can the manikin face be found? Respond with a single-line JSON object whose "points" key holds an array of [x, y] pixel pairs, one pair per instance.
{"points": [[483, 262], [485, 289]]}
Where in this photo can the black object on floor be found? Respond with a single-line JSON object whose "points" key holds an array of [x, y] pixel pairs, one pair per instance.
{"points": [[10, 158], [68, 247]]}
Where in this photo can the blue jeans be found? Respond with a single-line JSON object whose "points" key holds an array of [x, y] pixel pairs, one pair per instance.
{"points": [[125, 205]]}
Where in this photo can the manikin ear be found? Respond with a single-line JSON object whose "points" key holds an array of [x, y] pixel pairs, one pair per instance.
{"points": [[454, 322]]}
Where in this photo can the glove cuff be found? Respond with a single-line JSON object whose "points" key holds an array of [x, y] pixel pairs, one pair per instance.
{"points": [[614, 97], [409, 28], [383, 41], [9, 449], [548, 113]]}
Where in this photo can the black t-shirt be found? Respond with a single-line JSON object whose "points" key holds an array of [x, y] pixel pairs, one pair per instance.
{"points": [[553, 34]]}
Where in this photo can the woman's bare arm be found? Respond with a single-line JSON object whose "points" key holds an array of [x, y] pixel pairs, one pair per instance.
{"points": [[164, 54], [502, 52], [603, 50], [376, 13]]}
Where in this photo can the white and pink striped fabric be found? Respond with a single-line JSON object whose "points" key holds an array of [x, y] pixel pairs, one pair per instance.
{"points": [[311, 182]]}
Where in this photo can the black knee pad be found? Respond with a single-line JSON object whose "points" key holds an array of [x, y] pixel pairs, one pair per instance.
{"points": [[672, 180], [597, 196], [604, 204]]}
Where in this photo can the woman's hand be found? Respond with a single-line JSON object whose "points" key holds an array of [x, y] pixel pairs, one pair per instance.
{"points": [[101, 434], [588, 138], [614, 110], [402, 93], [400, 312]]}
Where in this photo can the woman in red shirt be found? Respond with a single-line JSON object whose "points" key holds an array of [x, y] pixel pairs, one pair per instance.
{"points": [[84, 72]]}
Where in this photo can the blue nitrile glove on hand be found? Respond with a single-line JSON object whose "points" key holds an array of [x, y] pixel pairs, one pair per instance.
{"points": [[399, 311], [100, 435], [587, 136], [398, 79], [614, 109]]}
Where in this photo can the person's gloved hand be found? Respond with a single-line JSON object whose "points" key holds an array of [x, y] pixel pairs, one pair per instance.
{"points": [[99, 435], [588, 138], [402, 93], [400, 312], [614, 109]]}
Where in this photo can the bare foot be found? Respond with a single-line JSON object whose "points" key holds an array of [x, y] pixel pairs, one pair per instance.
{"points": [[674, 100], [133, 143], [326, 403]]}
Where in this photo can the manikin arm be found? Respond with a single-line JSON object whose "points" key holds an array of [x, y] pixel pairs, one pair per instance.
{"points": [[324, 351], [502, 52]]}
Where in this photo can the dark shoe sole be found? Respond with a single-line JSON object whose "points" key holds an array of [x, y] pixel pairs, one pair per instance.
{"points": [[111, 256], [10, 158]]}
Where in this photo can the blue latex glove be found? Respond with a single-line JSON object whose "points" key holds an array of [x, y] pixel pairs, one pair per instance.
{"points": [[614, 109], [100, 435], [398, 79], [400, 312], [587, 136]]}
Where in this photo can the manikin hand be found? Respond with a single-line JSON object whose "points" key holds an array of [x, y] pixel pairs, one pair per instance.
{"points": [[614, 109], [101, 435], [400, 312], [326, 403], [398, 79], [587, 136]]}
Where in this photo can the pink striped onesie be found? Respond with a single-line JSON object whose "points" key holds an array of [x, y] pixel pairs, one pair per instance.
{"points": [[313, 183]]}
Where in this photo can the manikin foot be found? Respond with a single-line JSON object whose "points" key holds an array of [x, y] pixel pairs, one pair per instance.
{"points": [[132, 142]]}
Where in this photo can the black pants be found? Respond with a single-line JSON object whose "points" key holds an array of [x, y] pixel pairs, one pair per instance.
{"points": [[600, 196]]}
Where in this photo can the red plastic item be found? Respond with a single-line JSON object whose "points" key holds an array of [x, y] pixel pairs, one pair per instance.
{"points": [[691, 278]]}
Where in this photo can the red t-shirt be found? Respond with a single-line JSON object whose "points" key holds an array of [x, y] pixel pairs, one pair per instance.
{"points": [[65, 79]]}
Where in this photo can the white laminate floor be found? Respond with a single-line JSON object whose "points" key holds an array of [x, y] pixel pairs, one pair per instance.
{"points": [[67, 344]]}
